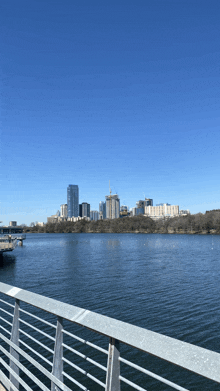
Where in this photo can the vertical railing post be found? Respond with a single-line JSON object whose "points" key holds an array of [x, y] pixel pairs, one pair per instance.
{"points": [[113, 367], [58, 354], [15, 339]]}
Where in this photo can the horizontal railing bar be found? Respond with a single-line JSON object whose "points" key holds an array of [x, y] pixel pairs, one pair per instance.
{"points": [[6, 382], [97, 347], [74, 351], [86, 342], [6, 312], [16, 376], [6, 302], [38, 342], [35, 352], [36, 329], [154, 375], [132, 384], [33, 362], [194, 358], [96, 380], [97, 364], [6, 321], [36, 317], [25, 370], [1, 327], [75, 381], [75, 366], [84, 356], [83, 371], [74, 336]]}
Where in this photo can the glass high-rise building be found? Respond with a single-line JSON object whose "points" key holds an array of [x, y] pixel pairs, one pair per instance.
{"points": [[73, 201]]}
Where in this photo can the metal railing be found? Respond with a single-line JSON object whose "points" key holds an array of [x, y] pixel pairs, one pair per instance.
{"points": [[49, 356]]}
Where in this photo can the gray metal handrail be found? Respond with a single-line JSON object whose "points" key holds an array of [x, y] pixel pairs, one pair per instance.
{"points": [[193, 358]]}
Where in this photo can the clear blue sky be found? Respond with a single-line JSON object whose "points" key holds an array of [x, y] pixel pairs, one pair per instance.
{"points": [[93, 91]]}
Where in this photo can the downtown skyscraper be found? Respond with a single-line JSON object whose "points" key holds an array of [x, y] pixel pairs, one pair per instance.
{"points": [[112, 206], [73, 201]]}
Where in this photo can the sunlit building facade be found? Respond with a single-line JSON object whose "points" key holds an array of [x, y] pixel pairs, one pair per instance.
{"points": [[162, 210], [63, 210], [112, 206]]}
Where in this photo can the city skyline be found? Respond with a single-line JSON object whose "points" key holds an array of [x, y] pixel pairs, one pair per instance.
{"points": [[96, 92]]}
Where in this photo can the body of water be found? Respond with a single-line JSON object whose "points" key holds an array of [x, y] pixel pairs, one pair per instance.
{"points": [[166, 283]]}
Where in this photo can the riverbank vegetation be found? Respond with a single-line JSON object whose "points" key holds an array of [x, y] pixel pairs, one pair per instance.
{"points": [[208, 223]]}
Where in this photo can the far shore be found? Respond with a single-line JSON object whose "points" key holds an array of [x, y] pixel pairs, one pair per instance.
{"points": [[197, 224]]}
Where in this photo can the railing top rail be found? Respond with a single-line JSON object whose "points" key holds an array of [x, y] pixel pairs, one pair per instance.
{"points": [[196, 359]]}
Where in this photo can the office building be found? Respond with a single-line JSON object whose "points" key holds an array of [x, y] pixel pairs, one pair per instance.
{"points": [[112, 206], [133, 212], [52, 219], [102, 210], [63, 210], [94, 215], [184, 212], [148, 202], [140, 206], [162, 210], [73, 201], [85, 209], [13, 223]]}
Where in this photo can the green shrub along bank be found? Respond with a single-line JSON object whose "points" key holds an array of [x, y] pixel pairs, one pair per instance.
{"points": [[208, 223]]}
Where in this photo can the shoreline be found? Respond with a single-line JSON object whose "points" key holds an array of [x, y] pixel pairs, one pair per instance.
{"points": [[198, 224]]}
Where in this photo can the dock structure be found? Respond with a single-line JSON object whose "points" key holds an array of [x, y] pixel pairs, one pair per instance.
{"points": [[41, 348], [9, 242]]}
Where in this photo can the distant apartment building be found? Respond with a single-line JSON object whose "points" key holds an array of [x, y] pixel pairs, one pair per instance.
{"points": [[63, 210], [162, 210], [13, 223], [102, 210], [75, 219], [73, 201], [139, 209], [112, 206], [140, 206], [184, 212], [133, 212], [52, 219], [56, 219], [94, 215], [148, 202]]}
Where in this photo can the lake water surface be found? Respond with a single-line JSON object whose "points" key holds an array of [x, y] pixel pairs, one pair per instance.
{"points": [[166, 283]]}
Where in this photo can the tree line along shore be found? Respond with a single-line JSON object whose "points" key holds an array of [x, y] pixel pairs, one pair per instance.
{"points": [[208, 223]]}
